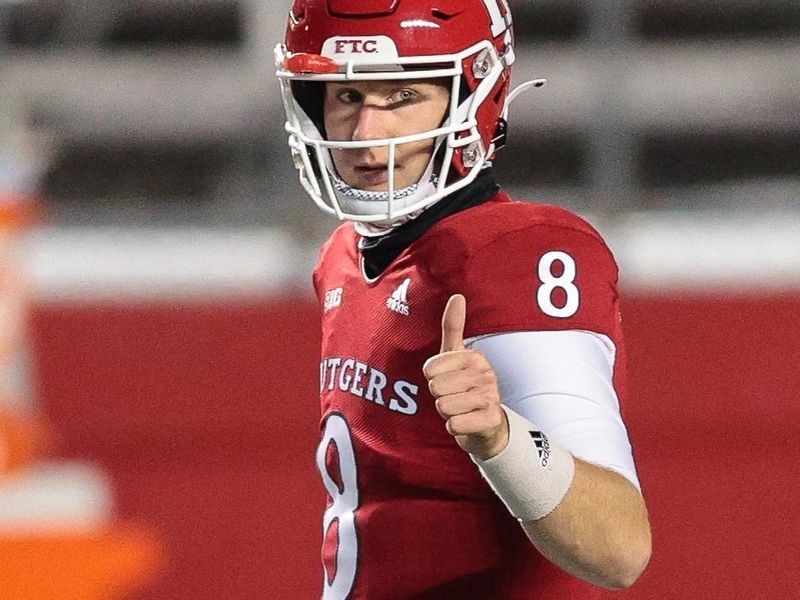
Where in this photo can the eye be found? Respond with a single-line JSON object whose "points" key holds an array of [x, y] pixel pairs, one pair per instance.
{"points": [[349, 96], [404, 95]]}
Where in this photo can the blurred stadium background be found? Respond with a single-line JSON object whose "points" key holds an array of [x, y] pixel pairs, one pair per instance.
{"points": [[158, 336]]}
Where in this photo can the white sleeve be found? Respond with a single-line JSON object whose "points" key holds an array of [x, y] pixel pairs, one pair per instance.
{"points": [[563, 382]]}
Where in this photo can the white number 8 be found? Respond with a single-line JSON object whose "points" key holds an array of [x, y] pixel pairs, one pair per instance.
{"points": [[550, 282], [343, 506]]}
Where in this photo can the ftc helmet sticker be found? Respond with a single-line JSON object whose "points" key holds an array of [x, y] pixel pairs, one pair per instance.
{"points": [[344, 48]]}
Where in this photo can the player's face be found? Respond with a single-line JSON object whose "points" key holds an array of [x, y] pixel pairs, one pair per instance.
{"points": [[374, 110]]}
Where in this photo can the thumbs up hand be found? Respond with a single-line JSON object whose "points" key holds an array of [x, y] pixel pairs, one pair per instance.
{"points": [[465, 387]]}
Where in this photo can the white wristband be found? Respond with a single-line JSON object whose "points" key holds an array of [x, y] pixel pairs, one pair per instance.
{"points": [[532, 474]]}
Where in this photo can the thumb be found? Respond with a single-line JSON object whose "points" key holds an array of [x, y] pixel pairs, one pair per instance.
{"points": [[453, 320]]}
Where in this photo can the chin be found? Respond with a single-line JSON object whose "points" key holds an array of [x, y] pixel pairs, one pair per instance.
{"points": [[363, 185], [358, 182], [377, 187]]}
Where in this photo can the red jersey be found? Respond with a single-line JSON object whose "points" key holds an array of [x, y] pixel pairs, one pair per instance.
{"points": [[409, 515]]}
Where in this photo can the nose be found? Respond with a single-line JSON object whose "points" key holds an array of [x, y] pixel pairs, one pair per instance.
{"points": [[371, 124]]}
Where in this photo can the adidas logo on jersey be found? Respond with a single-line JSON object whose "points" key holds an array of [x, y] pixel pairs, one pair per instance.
{"points": [[542, 446], [398, 301]]}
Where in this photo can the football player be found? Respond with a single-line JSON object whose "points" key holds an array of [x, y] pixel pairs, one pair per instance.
{"points": [[472, 355]]}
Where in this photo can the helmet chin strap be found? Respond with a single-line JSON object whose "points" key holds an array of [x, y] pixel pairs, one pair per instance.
{"points": [[380, 228], [364, 202], [357, 201]]}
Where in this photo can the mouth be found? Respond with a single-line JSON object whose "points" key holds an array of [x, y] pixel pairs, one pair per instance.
{"points": [[374, 174]]}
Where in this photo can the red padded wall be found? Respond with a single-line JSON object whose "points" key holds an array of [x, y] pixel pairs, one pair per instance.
{"points": [[206, 418]]}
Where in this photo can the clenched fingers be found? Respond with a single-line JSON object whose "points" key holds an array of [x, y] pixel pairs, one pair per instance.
{"points": [[455, 382], [465, 402], [454, 361], [479, 423]]}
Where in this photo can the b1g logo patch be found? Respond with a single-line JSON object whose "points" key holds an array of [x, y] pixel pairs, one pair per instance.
{"points": [[333, 298]]}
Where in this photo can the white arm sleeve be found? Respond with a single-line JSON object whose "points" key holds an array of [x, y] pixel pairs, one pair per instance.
{"points": [[563, 382]]}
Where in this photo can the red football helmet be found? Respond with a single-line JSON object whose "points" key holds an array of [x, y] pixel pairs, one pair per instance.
{"points": [[470, 42]]}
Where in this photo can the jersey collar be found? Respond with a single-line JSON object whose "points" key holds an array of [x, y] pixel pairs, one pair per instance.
{"points": [[379, 252]]}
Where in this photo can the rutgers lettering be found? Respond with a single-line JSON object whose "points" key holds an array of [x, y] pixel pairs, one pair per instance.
{"points": [[366, 382], [356, 46]]}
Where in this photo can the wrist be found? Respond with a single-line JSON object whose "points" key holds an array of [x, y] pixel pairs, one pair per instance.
{"points": [[531, 474], [496, 444]]}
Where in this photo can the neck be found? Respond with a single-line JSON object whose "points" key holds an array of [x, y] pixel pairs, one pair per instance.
{"points": [[380, 249]]}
